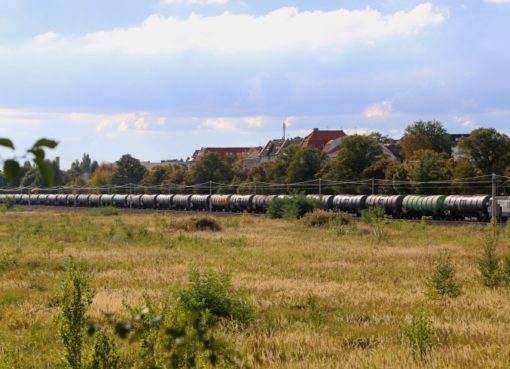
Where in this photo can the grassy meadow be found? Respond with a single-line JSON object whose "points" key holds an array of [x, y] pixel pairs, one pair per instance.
{"points": [[328, 297]]}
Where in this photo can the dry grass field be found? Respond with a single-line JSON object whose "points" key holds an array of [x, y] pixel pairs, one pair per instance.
{"points": [[324, 297]]}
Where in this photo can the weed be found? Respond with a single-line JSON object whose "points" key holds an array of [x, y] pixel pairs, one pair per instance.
{"points": [[205, 224], [360, 342], [103, 354], [75, 300], [106, 211], [418, 333], [379, 232], [292, 207], [443, 281], [8, 263], [321, 218], [315, 313], [489, 264], [373, 214], [213, 292]]}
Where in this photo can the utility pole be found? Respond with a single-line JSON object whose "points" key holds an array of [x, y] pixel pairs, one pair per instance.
{"points": [[320, 187], [284, 126], [494, 192], [373, 186], [210, 194]]}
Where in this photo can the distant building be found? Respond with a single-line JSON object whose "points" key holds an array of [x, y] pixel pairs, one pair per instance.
{"points": [[455, 141], [178, 162], [319, 139], [332, 147], [270, 151]]}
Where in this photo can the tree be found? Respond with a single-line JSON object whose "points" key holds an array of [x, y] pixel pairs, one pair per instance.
{"points": [[356, 154], [128, 170], [428, 166], [304, 165], [462, 169], [412, 143], [210, 167], [434, 131], [488, 149], [86, 166], [103, 175]]}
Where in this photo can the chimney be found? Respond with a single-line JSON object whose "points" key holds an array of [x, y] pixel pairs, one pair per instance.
{"points": [[316, 129]]}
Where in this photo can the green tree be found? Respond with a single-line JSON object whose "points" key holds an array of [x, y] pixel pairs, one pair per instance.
{"points": [[462, 169], [210, 167], [428, 166], [103, 175], [488, 149], [86, 165], [304, 165], [356, 154], [440, 140], [128, 170]]}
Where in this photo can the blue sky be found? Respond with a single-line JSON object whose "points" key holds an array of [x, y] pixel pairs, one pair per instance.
{"points": [[159, 78]]}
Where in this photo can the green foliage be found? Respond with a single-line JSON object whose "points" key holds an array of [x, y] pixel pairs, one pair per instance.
{"points": [[428, 166], [435, 133], [103, 355], [8, 203], [444, 281], [12, 168], [8, 263], [212, 292], [357, 153], [304, 165], [106, 211], [488, 149], [374, 214], [314, 310], [201, 223], [322, 218], [418, 333], [75, 300], [128, 170], [210, 167], [293, 207], [489, 264]]}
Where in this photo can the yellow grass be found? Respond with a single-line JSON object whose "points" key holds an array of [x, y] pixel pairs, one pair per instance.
{"points": [[365, 289]]}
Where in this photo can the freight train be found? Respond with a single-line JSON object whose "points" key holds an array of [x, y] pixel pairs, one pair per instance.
{"points": [[453, 207]]}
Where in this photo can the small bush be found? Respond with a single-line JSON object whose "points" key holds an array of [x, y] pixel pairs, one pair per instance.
{"points": [[8, 263], [443, 281], [8, 203], [372, 215], [205, 224], [315, 313], [213, 292], [103, 355], [293, 207], [321, 218], [106, 211], [418, 333], [489, 264]]}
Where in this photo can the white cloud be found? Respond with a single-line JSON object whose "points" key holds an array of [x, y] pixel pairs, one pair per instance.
{"points": [[284, 29], [379, 110], [45, 38], [464, 121], [195, 2], [254, 122], [224, 124], [220, 124]]}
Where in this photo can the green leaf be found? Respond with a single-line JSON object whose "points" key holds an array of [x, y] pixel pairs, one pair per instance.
{"points": [[6, 143], [46, 171], [44, 142], [38, 153], [11, 169]]}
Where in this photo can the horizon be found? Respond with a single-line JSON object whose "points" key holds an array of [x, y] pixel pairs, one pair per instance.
{"points": [[125, 77]]}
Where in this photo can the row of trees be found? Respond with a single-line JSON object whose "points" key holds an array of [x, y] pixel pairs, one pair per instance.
{"points": [[426, 153]]}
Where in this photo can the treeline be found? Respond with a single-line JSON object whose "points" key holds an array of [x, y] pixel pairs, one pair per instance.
{"points": [[426, 153]]}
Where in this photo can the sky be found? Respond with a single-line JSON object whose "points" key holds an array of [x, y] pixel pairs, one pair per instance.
{"points": [[161, 78]]}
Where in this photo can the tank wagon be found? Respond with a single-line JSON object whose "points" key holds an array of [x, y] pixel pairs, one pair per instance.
{"points": [[452, 207]]}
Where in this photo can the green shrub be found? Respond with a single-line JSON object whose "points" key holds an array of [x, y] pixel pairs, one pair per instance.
{"points": [[213, 292], [489, 264], [443, 281], [8, 263], [8, 203], [293, 207], [76, 298], [103, 355], [418, 333], [106, 211], [205, 224], [322, 218], [373, 214], [315, 313]]}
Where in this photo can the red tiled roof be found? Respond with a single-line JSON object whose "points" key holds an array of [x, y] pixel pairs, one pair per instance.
{"points": [[319, 139]]}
